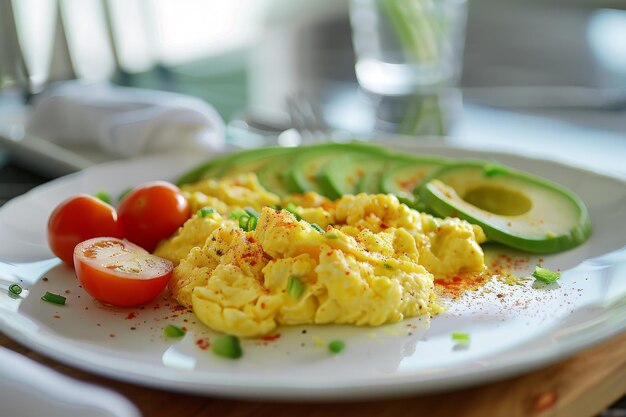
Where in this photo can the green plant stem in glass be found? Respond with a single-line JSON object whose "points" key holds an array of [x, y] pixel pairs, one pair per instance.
{"points": [[420, 34]]}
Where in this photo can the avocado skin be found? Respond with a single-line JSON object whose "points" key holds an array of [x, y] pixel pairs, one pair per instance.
{"points": [[577, 234], [203, 170], [216, 168], [241, 162]]}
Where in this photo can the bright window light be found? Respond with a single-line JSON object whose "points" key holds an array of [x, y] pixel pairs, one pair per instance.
{"points": [[35, 26], [606, 33], [191, 29]]}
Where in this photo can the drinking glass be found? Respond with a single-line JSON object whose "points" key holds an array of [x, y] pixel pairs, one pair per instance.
{"points": [[408, 52]]}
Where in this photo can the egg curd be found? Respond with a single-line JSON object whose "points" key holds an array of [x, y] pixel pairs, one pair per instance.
{"points": [[362, 260]]}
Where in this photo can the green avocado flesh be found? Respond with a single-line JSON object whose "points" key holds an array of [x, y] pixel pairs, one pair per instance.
{"points": [[403, 177], [304, 173], [352, 173], [272, 175], [513, 208]]}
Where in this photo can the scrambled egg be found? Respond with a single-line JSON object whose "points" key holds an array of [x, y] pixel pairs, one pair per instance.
{"points": [[362, 260]]}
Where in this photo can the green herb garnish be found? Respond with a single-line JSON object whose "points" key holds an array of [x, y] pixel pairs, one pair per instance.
{"points": [[318, 228], [387, 266], [15, 289], [252, 212], [291, 208], [252, 222], [124, 193], [545, 275], [248, 223], [336, 346], [236, 214], [103, 196], [243, 221], [295, 287], [54, 298], [461, 337], [173, 331], [206, 211], [491, 170], [227, 346]]}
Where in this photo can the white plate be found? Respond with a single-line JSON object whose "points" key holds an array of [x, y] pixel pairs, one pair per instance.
{"points": [[513, 328]]}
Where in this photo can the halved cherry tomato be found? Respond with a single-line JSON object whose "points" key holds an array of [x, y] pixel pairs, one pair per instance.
{"points": [[120, 273], [77, 219], [153, 212]]}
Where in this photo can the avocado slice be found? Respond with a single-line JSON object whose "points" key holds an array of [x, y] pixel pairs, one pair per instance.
{"points": [[370, 183], [204, 170], [513, 208], [272, 175], [404, 175], [352, 173], [303, 173], [246, 160], [254, 161]]}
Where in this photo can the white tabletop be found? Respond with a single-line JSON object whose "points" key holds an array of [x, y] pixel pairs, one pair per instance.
{"points": [[585, 138]]}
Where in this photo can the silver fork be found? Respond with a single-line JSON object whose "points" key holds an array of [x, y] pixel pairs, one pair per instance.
{"points": [[306, 118]]}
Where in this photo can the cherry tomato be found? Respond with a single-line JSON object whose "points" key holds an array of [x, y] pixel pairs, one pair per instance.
{"points": [[80, 218], [120, 273], [153, 212]]}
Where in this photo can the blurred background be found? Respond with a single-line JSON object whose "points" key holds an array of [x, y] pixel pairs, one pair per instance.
{"points": [[244, 53], [560, 62]]}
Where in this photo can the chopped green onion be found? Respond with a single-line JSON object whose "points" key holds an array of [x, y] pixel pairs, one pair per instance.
{"points": [[206, 211], [291, 208], [248, 223], [461, 337], [387, 266], [545, 275], [243, 221], [336, 346], [316, 227], [236, 214], [491, 170], [252, 212], [124, 193], [277, 207], [295, 287], [227, 346], [173, 331], [101, 195], [15, 289], [331, 236], [252, 222], [54, 298]]}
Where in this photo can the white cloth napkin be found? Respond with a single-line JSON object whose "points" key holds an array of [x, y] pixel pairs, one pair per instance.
{"points": [[124, 121]]}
